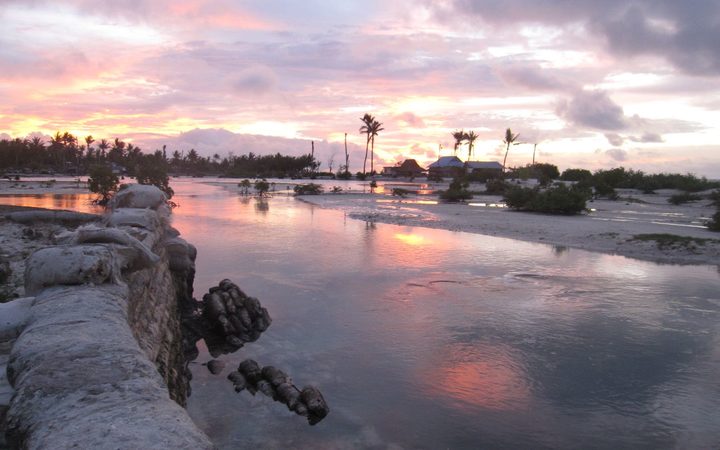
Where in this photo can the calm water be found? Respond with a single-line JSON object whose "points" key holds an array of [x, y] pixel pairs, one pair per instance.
{"points": [[423, 338]]}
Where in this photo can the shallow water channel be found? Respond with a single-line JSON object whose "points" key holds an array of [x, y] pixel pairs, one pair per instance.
{"points": [[422, 338]]}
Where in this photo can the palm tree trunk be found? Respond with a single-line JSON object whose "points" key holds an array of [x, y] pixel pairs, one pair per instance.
{"points": [[372, 156], [506, 153], [367, 144]]}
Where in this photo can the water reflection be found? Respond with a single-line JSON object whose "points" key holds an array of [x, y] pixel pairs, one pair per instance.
{"points": [[479, 376], [425, 338]]}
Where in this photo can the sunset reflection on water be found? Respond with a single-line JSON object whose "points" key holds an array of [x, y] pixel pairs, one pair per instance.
{"points": [[425, 338], [479, 376]]}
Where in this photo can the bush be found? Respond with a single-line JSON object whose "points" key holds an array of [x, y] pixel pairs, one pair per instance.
{"points": [[685, 197], [361, 176], [576, 175], [714, 223], [103, 181], [496, 186], [262, 187], [558, 199], [344, 175], [153, 171], [457, 191], [308, 189], [434, 177]]}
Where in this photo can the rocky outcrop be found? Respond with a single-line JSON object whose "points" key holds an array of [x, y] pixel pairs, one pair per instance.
{"points": [[99, 362]]}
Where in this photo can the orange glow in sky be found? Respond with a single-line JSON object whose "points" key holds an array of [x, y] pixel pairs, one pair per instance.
{"points": [[270, 76]]}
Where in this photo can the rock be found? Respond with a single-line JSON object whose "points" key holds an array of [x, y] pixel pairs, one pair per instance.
{"points": [[133, 217], [5, 270], [250, 370], [141, 256], [266, 388], [63, 217], [215, 366], [288, 394], [69, 265], [214, 307], [238, 380], [275, 376], [138, 196], [316, 405]]}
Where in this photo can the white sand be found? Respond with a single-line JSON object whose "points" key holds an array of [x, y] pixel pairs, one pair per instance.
{"points": [[609, 228], [8, 187]]}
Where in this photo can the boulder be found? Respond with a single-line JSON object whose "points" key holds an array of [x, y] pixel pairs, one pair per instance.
{"points": [[69, 265], [138, 196]]}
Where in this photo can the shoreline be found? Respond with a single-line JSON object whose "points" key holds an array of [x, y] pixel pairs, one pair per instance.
{"points": [[612, 226], [609, 228]]}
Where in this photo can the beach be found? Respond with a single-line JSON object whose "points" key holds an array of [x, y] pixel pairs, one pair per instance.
{"points": [[610, 226]]}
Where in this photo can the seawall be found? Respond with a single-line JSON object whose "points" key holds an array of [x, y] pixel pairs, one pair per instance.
{"points": [[99, 362]]}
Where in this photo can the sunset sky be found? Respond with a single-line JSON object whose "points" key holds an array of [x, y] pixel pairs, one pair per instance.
{"points": [[596, 84]]}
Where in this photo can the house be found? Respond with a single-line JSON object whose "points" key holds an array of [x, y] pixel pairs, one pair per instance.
{"points": [[446, 166], [408, 168], [484, 169]]}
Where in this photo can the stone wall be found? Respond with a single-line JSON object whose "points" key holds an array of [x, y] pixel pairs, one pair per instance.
{"points": [[102, 341]]}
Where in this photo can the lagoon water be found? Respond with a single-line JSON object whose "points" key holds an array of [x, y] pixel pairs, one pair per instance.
{"points": [[422, 338]]}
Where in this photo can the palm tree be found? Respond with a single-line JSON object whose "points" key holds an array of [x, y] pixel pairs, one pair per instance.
{"points": [[367, 120], [459, 136], [470, 137], [509, 139], [103, 146], [375, 128]]}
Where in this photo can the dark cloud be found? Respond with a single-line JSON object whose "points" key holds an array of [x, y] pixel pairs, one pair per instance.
{"points": [[255, 80], [615, 139], [617, 154], [685, 33], [531, 76], [593, 109], [647, 137]]}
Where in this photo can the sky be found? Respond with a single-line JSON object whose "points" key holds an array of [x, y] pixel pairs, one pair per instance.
{"points": [[633, 83]]}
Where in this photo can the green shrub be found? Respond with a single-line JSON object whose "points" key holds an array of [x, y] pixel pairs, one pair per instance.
{"points": [[457, 191], [558, 199], [153, 171], [685, 197], [343, 175], [262, 187], [103, 181], [361, 176], [576, 175], [308, 189], [400, 192], [435, 177], [496, 186], [714, 223]]}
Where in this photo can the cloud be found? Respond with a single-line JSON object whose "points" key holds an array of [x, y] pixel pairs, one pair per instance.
{"points": [[614, 139], [617, 154], [593, 109], [255, 80], [647, 138], [685, 34], [210, 141], [531, 76], [410, 119]]}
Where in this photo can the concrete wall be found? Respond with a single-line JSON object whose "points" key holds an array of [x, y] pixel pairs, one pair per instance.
{"points": [[103, 341]]}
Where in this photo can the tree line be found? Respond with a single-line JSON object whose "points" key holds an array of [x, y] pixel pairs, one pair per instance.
{"points": [[65, 153]]}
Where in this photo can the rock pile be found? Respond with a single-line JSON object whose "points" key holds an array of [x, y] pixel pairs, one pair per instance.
{"points": [[277, 385], [231, 318]]}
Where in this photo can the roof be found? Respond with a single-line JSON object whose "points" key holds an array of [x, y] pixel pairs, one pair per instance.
{"points": [[410, 165], [447, 161], [484, 165]]}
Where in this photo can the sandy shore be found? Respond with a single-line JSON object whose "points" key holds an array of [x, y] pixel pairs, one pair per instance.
{"points": [[610, 227], [9, 187]]}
